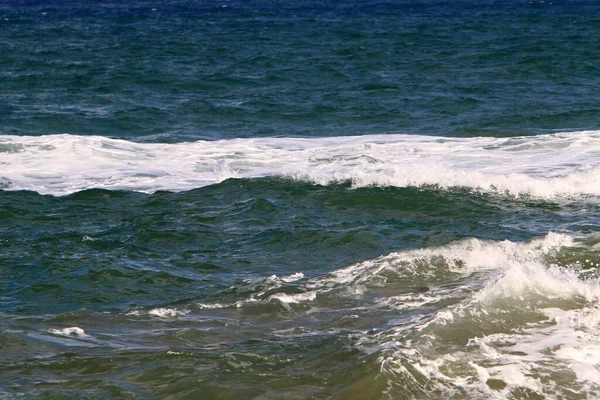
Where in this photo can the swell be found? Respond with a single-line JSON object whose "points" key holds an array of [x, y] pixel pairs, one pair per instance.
{"points": [[104, 249]]}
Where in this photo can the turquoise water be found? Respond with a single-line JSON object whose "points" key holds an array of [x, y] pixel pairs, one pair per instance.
{"points": [[299, 199]]}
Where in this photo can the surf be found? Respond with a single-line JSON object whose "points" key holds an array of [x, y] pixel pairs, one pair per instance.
{"points": [[544, 166]]}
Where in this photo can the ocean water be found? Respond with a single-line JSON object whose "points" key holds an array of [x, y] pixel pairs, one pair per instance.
{"points": [[300, 199]]}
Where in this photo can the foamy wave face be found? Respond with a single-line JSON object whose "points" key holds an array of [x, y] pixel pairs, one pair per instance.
{"points": [[471, 319], [435, 264], [421, 267], [541, 166], [531, 331]]}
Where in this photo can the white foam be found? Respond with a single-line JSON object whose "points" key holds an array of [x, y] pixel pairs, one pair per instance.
{"points": [[162, 312], [71, 332], [293, 277], [541, 333], [564, 337], [210, 306], [564, 164], [294, 298], [463, 257]]}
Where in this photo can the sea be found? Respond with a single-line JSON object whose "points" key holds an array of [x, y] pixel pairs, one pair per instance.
{"points": [[299, 199]]}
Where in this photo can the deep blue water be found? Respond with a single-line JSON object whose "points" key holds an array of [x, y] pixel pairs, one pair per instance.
{"points": [[184, 70]]}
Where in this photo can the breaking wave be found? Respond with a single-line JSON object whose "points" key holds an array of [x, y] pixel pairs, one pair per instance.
{"points": [[545, 166]]}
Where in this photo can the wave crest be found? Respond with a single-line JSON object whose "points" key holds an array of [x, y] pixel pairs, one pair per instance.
{"points": [[563, 164]]}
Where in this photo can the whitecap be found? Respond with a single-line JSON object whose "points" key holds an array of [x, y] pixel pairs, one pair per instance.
{"points": [[74, 331], [544, 166], [163, 312]]}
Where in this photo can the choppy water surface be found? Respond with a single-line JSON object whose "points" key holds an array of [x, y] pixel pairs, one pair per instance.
{"points": [[267, 200]]}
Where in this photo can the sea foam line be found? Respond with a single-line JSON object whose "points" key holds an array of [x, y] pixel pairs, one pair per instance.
{"points": [[541, 166]]}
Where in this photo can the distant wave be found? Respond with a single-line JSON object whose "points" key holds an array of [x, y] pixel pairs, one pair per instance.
{"points": [[546, 166]]}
